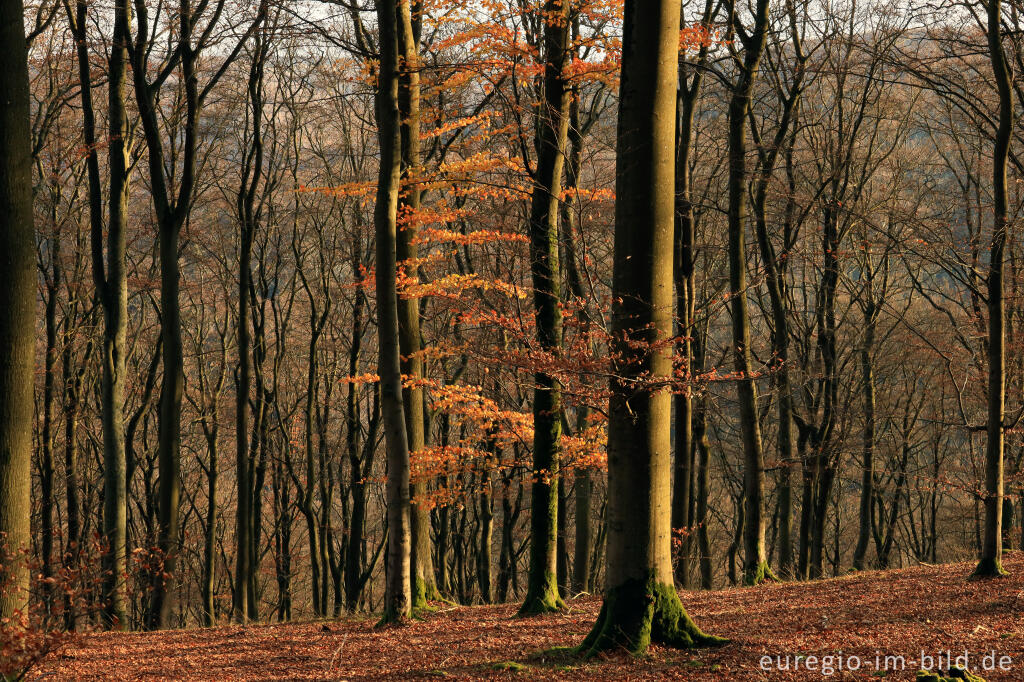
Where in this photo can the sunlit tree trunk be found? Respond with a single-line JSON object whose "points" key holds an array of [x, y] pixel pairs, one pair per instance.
{"points": [[113, 288], [110, 282], [571, 210], [640, 602], [17, 311], [424, 585]]}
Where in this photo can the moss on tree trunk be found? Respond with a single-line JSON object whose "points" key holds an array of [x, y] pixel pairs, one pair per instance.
{"points": [[760, 574], [989, 567], [638, 613]]}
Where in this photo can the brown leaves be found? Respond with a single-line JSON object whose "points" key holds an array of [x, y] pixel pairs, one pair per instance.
{"points": [[898, 613]]}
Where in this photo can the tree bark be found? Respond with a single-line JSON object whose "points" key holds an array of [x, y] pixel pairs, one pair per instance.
{"points": [[398, 597], [867, 484], [113, 293], [17, 311], [640, 602], [424, 585], [990, 564], [542, 580], [755, 565], [684, 451]]}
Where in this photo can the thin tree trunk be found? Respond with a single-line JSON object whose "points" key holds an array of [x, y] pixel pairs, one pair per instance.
{"points": [[110, 281], [72, 397], [755, 566], [398, 597], [563, 533], [867, 483], [484, 553], [700, 516], [684, 451], [46, 511], [210, 536], [542, 593], [991, 554], [775, 278]]}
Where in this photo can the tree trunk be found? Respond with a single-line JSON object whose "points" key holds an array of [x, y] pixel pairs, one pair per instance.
{"points": [[775, 278], [486, 538], [110, 281], [700, 516], [571, 212], [114, 297], [398, 597], [17, 311], [737, 539], [46, 511], [542, 581], [640, 602], [867, 483], [424, 585], [990, 564], [684, 451], [72, 398], [581, 559], [755, 565], [210, 535], [563, 533]]}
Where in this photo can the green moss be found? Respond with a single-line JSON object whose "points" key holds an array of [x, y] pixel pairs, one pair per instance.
{"points": [[542, 598], [989, 568], [952, 675], [511, 666], [392, 616], [639, 612], [558, 653], [424, 592], [762, 574]]}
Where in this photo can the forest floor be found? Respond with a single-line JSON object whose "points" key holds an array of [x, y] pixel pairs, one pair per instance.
{"points": [[865, 616]]}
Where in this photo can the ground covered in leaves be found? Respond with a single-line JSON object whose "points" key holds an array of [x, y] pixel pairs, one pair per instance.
{"points": [[862, 617]]}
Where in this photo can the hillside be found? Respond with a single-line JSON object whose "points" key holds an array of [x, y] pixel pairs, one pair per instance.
{"points": [[894, 613]]}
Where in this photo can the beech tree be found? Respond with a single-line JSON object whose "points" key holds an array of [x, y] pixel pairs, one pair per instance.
{"points": [[553, 113], [991, 552], [755, 565], [172, 194], [640, 602], [398, 599], [17, 311], [108, 246]]}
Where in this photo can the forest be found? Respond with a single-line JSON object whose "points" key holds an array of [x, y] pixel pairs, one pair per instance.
{"points": [[590, 314]]}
